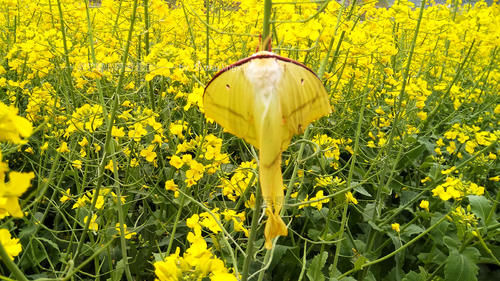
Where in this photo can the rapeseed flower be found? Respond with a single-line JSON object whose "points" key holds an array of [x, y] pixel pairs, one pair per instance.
{"points": [[11, 245]]}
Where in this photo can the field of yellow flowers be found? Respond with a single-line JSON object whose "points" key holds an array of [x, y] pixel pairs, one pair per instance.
{"points": [[109, 169]]}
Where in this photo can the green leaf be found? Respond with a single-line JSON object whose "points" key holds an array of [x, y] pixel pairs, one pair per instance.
{"points": [[451, 243], [462, 266], [314, 271], [361, 190], [119, 269], [368, 211], [413, 229], [412, 276], [481, 207]]}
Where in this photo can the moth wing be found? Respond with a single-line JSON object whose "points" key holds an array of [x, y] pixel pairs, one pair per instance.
{"points": [[229, 100], [303, 98]]}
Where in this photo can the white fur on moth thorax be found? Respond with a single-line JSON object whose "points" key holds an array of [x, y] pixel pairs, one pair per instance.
{"points": [[264, 75]]}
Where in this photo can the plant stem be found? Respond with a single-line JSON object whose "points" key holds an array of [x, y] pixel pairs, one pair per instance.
{"points": [[146, 49], [207, 61], [396, 251], [351, 171], [266, 27], [174, 229], [253, 233], [11, 265]]}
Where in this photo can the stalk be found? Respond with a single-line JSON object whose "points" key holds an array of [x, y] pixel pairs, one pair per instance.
{"points": [[107, 146], [266, 27], [350, 175], [67, 71], [397, 117], [253, 233], [11, 265], [174, 229], [146, 47], [207, 61], [396, 251]]}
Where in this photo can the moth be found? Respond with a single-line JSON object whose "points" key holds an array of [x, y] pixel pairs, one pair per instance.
{"points": [[266, 99]]}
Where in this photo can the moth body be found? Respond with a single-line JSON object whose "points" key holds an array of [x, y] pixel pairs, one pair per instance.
{"points": [[266, 100]]}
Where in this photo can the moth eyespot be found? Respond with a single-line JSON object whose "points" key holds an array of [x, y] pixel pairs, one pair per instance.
{"points": [[302, 81], [228, 87]]}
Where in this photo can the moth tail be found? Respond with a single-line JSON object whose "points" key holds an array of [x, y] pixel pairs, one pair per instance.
{"points": [[275, 226]]}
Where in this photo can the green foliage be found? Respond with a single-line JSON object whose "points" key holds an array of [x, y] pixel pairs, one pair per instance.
{"points": [[462, 265]]}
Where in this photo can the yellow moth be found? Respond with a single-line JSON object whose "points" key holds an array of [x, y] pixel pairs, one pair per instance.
{"points": [[266, 99]]}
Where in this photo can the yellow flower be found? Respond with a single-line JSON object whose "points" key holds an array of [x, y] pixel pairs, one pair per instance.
{"points": [[117, 132], [13, 128], [176, 161], [138, 132], [44, 147], [223, 277], [92, 225], [109, 166], [350, 198], [451, 147], [177, 127], [319, 204], [439, 191], [66, 196], [194, 223], [448, 171], [424, 204], [10, 191], [497, 109], [422, 115], [208, 221], [11, 245], [77, 164], [81, 201], [128, 235], [170, 185], [83, 142], [395, 227], [250, 203], [169, 269], [195, 173], [470, 146], [148, 153], [63, 147]]}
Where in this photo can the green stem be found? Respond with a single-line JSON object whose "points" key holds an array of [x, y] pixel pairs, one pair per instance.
{"points": [[396, 251], [351, 172], [226, 233], [89, 259], [67, 71], [108, 141], [378, 200], [253, 233], [11, 265], [174, 229], [266, 27], [207, 61], [327, 57], [146, 47]]}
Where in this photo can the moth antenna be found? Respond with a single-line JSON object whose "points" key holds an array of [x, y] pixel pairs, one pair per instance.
{"points": [[266, 43], [260, 42]]}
